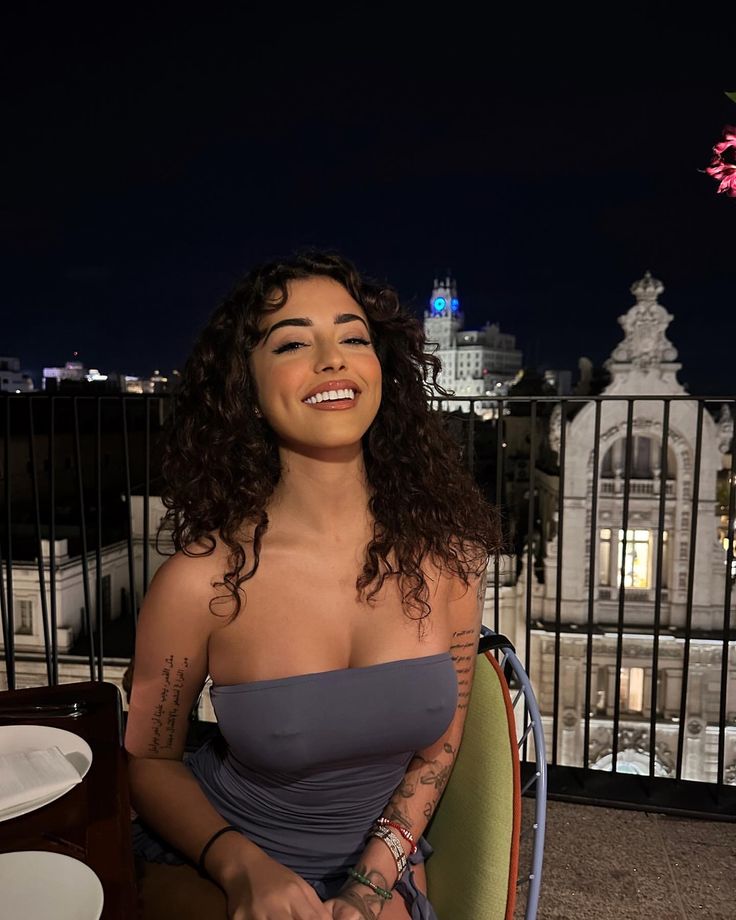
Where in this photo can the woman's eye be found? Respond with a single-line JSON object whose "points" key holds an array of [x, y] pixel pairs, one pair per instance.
{"points": [[287, 346], [293, 346]]}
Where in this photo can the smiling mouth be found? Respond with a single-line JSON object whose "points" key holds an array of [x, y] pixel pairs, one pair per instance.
{"points": [[341, 395], [333, 399]]}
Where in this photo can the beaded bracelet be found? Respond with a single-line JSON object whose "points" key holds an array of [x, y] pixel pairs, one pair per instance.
{"points": [[381, 892], [393, 842], [407, 835], [205, 848]]}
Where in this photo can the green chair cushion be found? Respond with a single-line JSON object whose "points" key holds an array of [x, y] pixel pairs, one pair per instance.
{"points": [[475, 829]]}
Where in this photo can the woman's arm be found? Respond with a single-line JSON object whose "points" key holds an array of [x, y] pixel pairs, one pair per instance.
{"points": [[416, 798], [170, 670], [174, 627]]}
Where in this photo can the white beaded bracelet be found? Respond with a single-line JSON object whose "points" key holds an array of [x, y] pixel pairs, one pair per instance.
{"points": [[393, 842]]}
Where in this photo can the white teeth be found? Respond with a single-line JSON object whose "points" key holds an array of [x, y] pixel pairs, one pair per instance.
{"points": [[330, 395]]}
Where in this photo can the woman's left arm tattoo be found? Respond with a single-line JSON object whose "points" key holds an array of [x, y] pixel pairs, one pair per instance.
{"points": [[431, 775]]}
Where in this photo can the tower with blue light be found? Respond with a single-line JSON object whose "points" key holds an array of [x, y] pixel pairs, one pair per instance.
{"points": [[478, 363], [444, 317]]}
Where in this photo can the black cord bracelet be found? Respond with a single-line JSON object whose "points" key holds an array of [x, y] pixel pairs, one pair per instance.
{"points": [[205, 848]]}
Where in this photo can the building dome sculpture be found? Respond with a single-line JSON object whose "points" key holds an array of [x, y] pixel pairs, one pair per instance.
{"points": [[645, 343]]}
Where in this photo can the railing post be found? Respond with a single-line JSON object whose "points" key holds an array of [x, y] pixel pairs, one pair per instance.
{"points": [[558, 579], [622, 580], [658, 584], [8, 611], [592, 579], [722, 710]]}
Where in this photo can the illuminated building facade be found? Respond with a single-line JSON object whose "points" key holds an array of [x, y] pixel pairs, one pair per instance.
{"points": [[474, 363], [643, 364]]}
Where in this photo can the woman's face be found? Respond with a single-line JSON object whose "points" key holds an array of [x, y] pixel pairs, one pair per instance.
{"points": [[315, 348]]}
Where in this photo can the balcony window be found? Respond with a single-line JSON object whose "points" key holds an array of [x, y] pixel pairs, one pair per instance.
{"points": [[645, 459]]}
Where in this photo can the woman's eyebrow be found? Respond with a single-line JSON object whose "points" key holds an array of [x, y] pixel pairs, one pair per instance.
{"points": [[305, 321]]}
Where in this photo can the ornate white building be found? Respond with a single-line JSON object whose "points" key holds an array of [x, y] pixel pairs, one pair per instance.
{"points": [[474, 363], [643, 364]]}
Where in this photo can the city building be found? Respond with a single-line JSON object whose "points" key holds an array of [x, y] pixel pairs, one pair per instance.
{"points": [[643, 364], [75, 376], [72, 370], [12, 379], [155, 384], [474, 362], [32, 603]]}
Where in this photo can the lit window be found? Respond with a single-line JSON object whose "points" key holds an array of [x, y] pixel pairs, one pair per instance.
{"points": [[637, 563], [632, 690], [605, 557]]}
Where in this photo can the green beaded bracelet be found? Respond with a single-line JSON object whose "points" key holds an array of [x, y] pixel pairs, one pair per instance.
{"points": [[381, 892]]}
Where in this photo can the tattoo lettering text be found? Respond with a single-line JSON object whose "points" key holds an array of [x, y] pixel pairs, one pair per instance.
{"points": [[168, 708], [420, 791], [463, 650]]}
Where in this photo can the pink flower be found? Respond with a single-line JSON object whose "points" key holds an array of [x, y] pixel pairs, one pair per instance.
{"points": [[723, 165]]}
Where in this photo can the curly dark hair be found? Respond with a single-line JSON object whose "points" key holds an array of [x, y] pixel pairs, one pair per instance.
{"points": [[221, 461]]}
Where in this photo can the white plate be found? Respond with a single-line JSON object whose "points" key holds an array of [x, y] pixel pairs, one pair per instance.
{"points": [[15, 738], [37, 886]]}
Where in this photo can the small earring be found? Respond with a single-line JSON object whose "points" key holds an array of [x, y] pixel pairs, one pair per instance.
{"points": [[259, 414]]}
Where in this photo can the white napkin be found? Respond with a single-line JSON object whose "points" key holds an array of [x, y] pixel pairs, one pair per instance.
{"points": [[29, 775]]}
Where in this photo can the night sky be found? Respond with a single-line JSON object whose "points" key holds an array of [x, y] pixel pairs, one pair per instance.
{"points": [[547, 161]]}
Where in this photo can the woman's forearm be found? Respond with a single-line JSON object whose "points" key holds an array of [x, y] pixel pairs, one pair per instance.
{"points": [[419, 792], [415, 799], [169, 799]]}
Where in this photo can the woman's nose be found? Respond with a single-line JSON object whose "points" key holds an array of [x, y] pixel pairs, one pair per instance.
{"points": [[329, 356]]}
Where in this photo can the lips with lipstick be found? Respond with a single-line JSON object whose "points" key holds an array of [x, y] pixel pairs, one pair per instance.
{"points": [[333, 395]]}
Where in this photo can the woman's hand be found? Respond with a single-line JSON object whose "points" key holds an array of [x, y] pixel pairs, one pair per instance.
{"points": [[270, 891], [355, 902]]}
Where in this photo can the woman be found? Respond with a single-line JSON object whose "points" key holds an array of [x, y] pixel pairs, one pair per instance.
{"points": [[329, 576]]}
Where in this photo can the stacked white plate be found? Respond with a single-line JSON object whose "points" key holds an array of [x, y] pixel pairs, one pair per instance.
{"points": [[40, 886], [25, 738], [34, 884]]}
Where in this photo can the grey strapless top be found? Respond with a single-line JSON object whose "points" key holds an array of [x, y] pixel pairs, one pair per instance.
{"points": [[311, 761]]}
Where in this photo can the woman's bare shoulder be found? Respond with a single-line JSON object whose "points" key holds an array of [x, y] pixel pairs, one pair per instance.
{"points": [[189, 578]]}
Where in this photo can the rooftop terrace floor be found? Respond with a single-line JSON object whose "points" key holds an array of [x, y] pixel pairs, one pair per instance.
{"points": [[608, 863]]}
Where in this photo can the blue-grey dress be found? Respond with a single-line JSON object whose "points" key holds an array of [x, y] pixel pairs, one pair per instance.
{"points": [[309, 762]]}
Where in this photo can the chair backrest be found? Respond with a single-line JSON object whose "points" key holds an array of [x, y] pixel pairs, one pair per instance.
{"points": [[472, 874]]}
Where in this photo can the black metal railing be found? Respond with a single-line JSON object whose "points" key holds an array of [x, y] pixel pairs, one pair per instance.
{"points": [[73, 465]]}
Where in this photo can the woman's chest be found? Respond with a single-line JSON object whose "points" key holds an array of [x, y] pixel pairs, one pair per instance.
{"points": [[303, 614]]}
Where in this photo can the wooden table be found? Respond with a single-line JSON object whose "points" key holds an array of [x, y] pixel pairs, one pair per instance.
{"points": [[92, 821]]}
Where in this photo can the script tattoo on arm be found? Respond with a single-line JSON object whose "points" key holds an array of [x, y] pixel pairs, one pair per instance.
{"points": [[167, 709], [435, 773], [463, 650]]}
